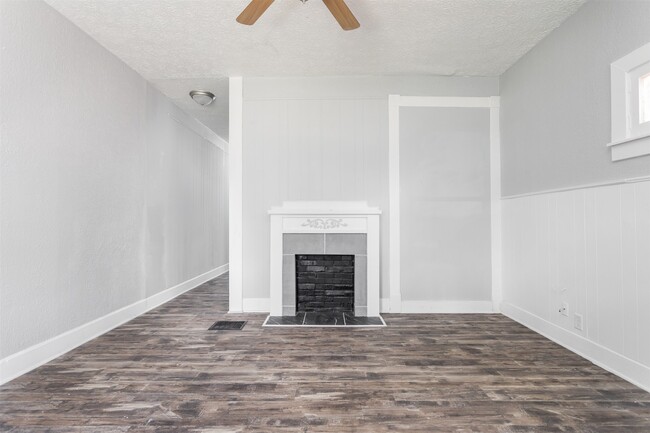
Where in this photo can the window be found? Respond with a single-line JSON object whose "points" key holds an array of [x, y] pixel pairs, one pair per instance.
{"points": [[631, 105], [644, 98], [639, 101]]}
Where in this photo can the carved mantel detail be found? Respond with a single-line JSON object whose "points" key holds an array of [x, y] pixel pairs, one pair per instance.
{"points": [[324, 223]]}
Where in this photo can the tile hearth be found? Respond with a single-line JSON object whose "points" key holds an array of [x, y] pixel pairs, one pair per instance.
{"points": [[340, 320]]}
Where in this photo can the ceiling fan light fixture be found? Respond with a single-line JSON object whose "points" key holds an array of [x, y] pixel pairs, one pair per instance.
{"points": [[338, 8], [202, 97]]}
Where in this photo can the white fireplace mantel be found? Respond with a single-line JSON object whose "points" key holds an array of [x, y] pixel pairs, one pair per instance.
{"points": [[324, 217]]}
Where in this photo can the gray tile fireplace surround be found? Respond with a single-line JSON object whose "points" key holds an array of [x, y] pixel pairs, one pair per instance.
{"points": [[324, 243]]}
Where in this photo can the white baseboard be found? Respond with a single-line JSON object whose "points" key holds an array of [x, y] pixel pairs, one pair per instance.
{"points": [[447, 307], [256, 305], [620, 365], [169, 294], [28, 359], [384, 305], [261, 305]]}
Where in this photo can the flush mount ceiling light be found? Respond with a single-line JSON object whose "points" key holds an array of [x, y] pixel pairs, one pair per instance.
{"points": [[202, 97]]}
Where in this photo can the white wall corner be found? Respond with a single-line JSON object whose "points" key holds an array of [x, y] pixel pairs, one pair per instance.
{"points": [[495, 203], [235, 207], [198, 128], [394, 204]]}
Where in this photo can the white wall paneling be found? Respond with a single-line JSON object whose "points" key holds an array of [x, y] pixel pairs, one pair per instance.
{"points": [[308, 150], [256, 305], [589, 248], [321, 138], [476, 295], [104, 204], [235, 195], [186, 197]]}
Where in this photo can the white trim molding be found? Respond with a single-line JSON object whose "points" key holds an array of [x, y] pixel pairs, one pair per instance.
{"points": [[626, 368], [495, 202], [630, 147], [579, 187], [199, 129], [447, 307], [395, 102], [28, 359], [394, 255], [235, 203]]}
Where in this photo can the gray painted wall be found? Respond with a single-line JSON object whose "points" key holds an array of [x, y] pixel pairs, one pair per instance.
{"points": [[105, 199], [322, 138], [555, 101]]}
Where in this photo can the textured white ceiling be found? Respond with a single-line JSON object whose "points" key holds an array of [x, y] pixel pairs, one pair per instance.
{"points": [[182, 44]]}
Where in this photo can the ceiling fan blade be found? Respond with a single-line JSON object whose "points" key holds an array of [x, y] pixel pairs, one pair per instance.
{"points": [[253, 11], [342, 13]]}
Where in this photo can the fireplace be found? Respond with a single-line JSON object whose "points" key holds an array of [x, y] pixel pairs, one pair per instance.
{"points": [[348, 250], [324, 283], [332, 249]]}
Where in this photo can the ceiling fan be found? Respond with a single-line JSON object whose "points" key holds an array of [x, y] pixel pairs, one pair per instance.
{"points": [[338, 8]]}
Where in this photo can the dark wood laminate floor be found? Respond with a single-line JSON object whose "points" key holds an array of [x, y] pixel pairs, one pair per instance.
{"points": [[164, 372]]}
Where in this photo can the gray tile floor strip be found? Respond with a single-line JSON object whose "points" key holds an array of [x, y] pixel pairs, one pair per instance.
{"points": [[357, 322]]}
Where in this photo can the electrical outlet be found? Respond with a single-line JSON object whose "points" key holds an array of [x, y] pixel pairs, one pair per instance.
{"points": [[577, 321], [564, 309]]}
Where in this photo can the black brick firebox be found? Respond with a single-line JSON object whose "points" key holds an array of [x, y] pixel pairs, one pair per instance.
{"points": [[324, 283]]}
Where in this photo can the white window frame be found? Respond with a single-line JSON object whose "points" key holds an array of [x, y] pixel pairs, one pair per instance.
{"points": [[630, 137]]}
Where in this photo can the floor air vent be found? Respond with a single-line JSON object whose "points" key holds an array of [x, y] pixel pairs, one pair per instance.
{"points": [[227, 325]]}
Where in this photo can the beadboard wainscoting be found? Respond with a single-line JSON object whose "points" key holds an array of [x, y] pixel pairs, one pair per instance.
{"points": [[587, 250]]}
